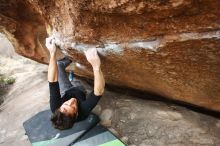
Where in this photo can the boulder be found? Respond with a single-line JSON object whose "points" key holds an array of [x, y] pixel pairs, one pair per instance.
{"points": [[167, 47]]}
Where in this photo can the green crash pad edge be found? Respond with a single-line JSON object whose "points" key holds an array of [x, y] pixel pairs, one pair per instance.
{"points": [[44, 143], [115, 142]]}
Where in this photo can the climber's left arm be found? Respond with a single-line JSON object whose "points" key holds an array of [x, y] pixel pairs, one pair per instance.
{"points": [[55, 100], [52, 69]]}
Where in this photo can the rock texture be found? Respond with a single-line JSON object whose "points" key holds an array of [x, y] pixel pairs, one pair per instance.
{"points": [[167, 47]]}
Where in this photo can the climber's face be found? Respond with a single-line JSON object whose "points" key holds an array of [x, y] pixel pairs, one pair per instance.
{"points": [[70, 107]]}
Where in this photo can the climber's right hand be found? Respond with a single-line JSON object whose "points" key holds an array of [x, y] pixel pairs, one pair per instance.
{"points": [[93, 58], [50, 44]]}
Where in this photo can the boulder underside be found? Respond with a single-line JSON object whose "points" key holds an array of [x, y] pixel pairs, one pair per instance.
{"points": [[167, 47]]}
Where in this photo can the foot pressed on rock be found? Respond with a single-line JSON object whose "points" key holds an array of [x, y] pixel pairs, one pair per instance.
{"points": [[65, 61]]}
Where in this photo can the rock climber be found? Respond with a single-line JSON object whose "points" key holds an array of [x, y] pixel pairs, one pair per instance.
{"points": [[67, 102]]}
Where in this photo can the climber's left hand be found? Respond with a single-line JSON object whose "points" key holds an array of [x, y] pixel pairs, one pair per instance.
{"points": [[50, 44]]}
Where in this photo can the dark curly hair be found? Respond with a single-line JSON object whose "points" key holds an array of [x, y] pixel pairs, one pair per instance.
{"points": [[61, 121]]}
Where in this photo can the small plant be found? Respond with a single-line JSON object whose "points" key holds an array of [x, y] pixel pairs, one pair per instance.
{"points": [[6, 80]]}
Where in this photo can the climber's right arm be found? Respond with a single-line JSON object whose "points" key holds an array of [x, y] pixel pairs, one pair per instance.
{"points": [[94, 60]]}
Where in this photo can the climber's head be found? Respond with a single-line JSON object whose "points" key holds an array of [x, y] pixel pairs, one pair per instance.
{"points": [[70, 107], [65, 116]]}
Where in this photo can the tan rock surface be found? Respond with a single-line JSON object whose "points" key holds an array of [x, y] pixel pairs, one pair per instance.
{"points": [[134, 120], [170, 47]]}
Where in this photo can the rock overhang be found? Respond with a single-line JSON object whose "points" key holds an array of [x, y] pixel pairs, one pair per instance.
{"points": [[168, 47]]}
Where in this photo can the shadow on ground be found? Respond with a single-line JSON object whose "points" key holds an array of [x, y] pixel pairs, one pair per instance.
{"points": [[146, 119]]}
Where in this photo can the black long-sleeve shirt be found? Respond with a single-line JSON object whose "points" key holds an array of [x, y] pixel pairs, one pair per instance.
{"points": [[85, 103]]}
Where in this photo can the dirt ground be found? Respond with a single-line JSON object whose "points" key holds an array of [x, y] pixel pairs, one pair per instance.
{"points": [[136, 121]]}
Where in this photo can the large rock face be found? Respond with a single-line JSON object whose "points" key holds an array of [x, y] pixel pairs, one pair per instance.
{"points": [[168, 47]]}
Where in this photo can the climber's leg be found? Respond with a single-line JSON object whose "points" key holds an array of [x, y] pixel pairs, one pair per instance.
{"points": [[63, 79]]}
